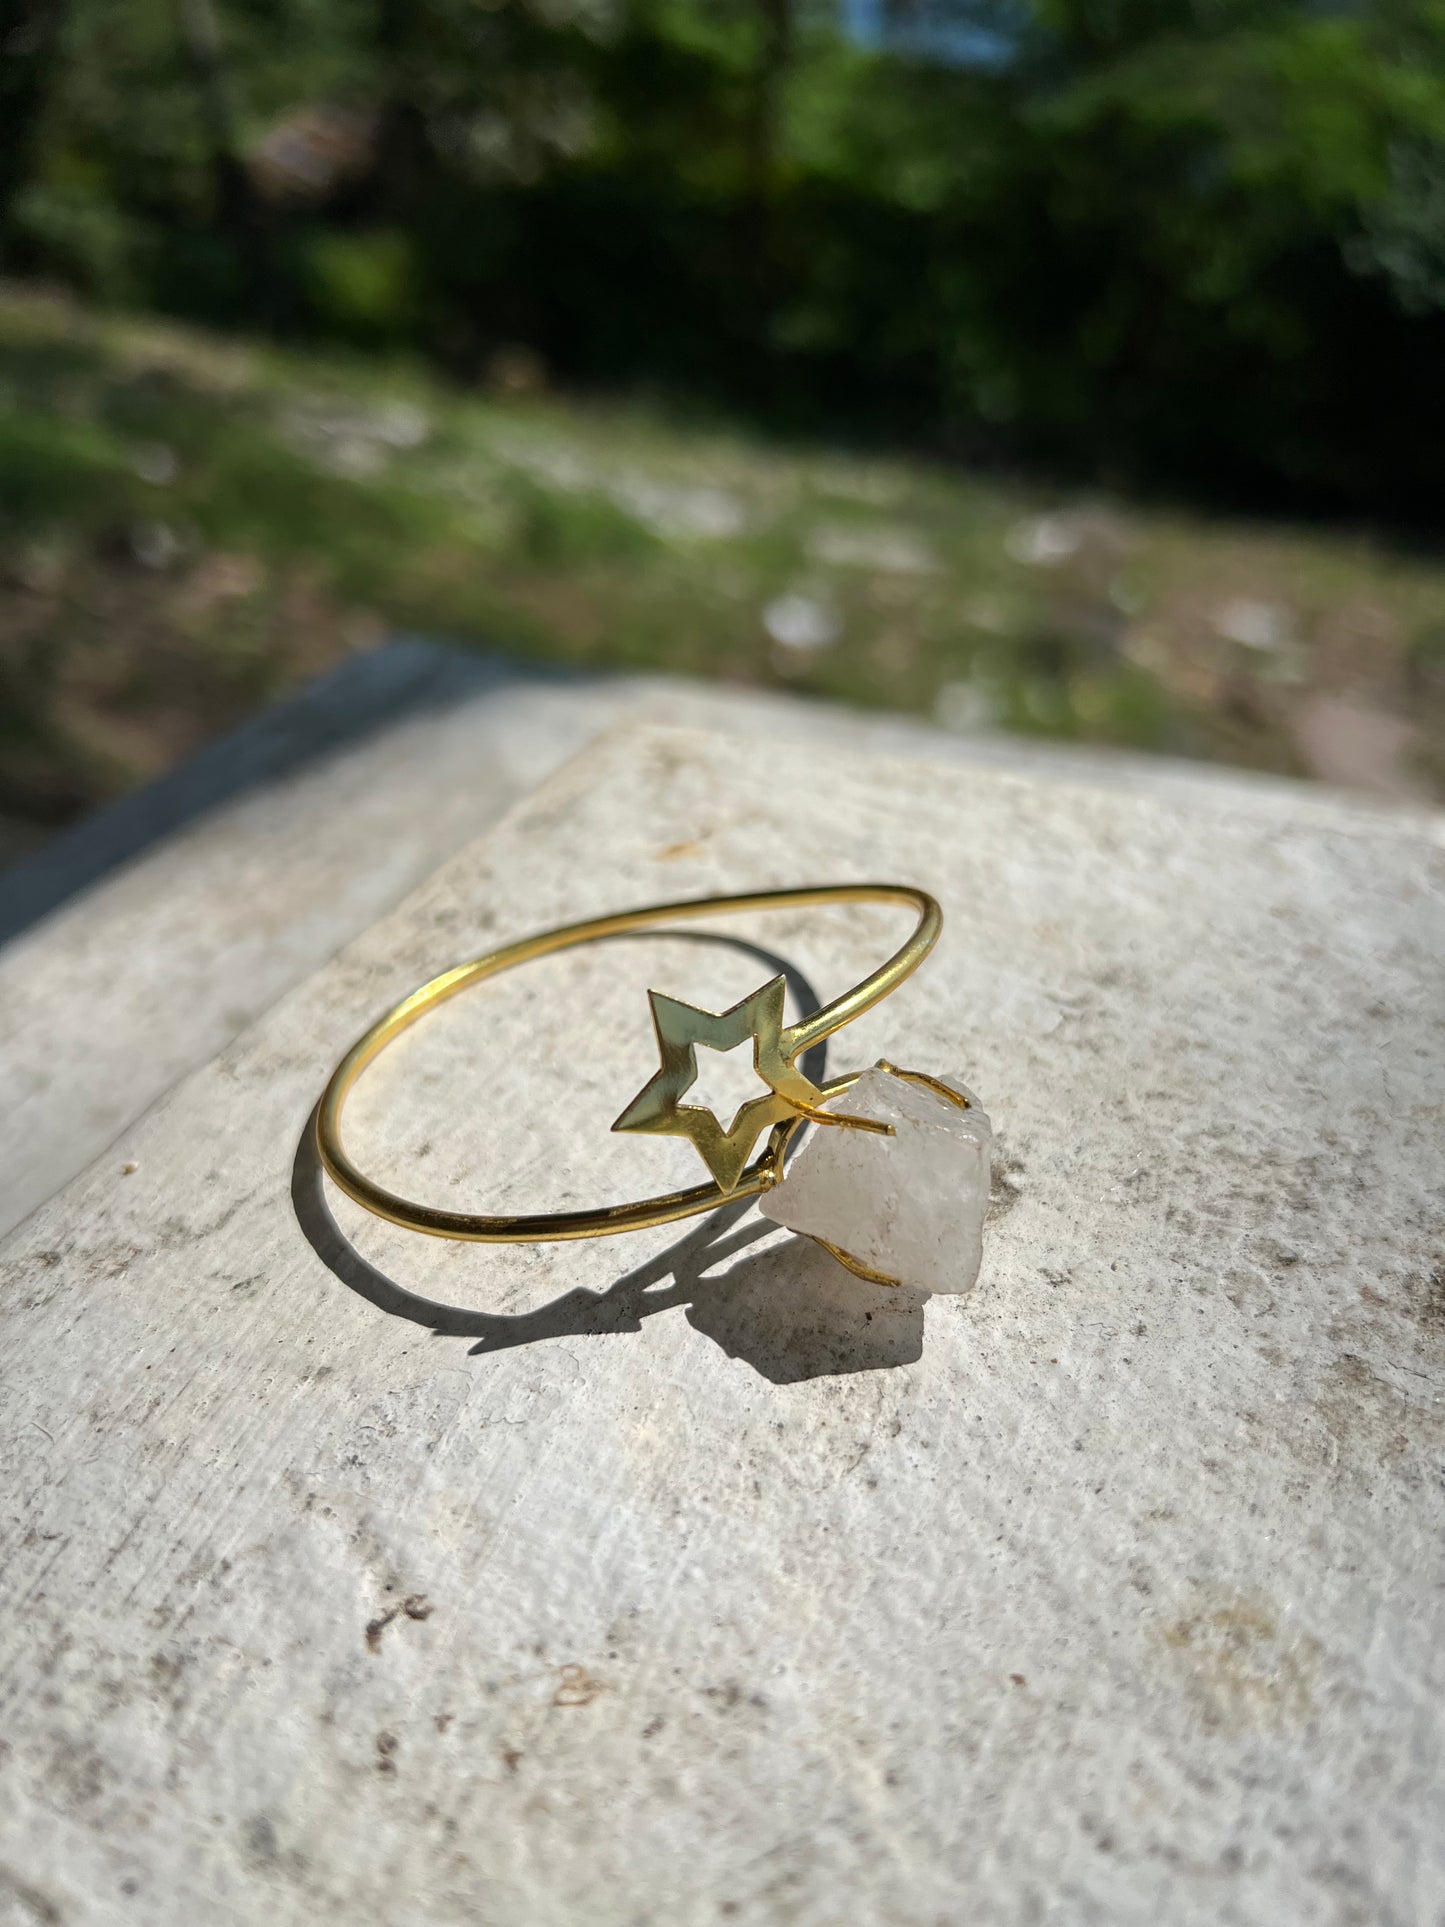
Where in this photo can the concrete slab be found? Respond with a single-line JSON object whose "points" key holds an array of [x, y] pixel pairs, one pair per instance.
{"points": [[155, 932], [690, 1578], [232, 880]]}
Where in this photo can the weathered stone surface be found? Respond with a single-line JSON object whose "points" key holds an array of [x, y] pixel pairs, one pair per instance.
{"points": [[314, 819], [688, 1577], [910, 1206]]}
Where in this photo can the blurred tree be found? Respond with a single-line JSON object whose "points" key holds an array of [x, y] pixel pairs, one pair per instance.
{"points": [[1402, 235], [29, 41], [237, 208], [1196, 239]]}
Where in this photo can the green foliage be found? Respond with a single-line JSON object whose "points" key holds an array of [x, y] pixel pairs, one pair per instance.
{"points": [[1403, 230], [1201, 240], [50, 470], [78, 229], [361, 286], [554, 530]]}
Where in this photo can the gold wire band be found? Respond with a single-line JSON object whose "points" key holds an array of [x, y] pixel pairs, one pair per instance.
{"points": [[548, 1226]]}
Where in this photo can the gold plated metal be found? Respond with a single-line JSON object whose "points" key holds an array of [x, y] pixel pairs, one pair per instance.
{"points": [[791, 1099], [855, 1265], [680, 1029]]}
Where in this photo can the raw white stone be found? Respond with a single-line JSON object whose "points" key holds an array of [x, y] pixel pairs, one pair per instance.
{"points": [[911, 1205]]}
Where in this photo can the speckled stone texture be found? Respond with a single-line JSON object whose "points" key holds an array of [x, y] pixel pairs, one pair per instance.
{"points": [[353, 1577], [314, 819], [910, 1206]]}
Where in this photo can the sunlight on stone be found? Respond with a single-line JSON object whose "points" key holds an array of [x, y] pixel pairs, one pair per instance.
{"points": [[726, 1080]]}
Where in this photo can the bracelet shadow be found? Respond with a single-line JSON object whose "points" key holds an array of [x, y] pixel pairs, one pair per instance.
{"points": [[785, 1307]]}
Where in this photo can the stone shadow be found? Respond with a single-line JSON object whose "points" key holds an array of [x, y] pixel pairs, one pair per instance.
{"points": [[792, 1312], [785, 1308]]}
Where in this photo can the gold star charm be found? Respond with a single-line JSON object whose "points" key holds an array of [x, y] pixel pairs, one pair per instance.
{"points": [[680, 1029]]}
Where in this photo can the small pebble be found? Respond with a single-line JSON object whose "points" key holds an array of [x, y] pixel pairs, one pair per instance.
{"points": [[801, 623]]}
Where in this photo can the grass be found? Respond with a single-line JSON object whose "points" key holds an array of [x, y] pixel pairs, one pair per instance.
{"points": [[189, 525]]}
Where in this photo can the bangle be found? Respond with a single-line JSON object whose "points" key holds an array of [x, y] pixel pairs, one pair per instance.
{"points": [[791, 1099]]}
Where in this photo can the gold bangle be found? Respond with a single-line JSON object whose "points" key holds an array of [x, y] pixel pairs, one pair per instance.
{"points": [[791, 1100]]}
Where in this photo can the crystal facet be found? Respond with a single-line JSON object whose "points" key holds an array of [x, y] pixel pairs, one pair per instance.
{"points": [[911, 1205]]}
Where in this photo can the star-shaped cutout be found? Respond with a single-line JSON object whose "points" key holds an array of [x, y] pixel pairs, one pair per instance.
{"points": [[680, 1029]]}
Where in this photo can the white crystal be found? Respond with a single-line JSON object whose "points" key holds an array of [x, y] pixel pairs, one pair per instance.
{"points": [[911, 1205]]}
